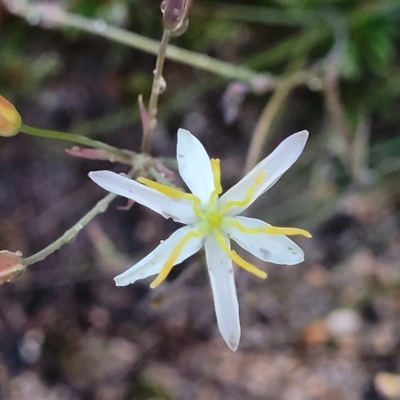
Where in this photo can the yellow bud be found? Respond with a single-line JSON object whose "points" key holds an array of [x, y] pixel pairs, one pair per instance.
{"points": [[10, 120], [11, 266]]}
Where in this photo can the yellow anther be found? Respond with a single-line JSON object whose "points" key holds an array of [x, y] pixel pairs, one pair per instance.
{"points": [[216, 170], [173, 193], [166, 269], [239, 260], [250, 192], [270, 230]]}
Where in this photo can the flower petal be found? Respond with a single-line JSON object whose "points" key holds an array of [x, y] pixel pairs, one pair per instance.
{"points": [[272, 167], [153, 262], [224, 291], [180, 210], [195, 166], [278, 249]]}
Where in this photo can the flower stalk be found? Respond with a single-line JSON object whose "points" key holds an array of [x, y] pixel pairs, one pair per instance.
{"points": [[79, 139], [71, 233], [157, 88]]}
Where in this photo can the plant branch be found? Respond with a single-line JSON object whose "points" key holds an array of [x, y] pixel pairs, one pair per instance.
{"points": [[54, 16], [157, 88], [70, 234], [74, 138], [359, 167], [265, 121]]}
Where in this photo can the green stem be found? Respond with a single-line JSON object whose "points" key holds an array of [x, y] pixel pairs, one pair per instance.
{"points": [[74, 138], [70, 234], [152, 46], [58, 17]]}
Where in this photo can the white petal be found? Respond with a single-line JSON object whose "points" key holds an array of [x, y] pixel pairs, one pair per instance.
{"points": [[180, 210], [275, 165], [153, 262], [278, 249], [224, 291], [194, 165]]}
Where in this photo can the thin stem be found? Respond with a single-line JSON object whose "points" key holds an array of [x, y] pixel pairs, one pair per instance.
{"points": [[70, 234], [156, 90], [335, 109], [56, 16], [361, 148], [265, 121], [330, 89], [74, 138]]}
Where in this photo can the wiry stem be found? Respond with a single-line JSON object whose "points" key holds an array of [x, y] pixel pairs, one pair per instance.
{"points": [[338, 115], [360, 148], [265, 121], [156, 90], [70, 234], [54, 16], [74, 138]]}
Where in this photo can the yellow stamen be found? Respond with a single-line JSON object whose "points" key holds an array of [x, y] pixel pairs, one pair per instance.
{"points": [[260, 177], [167, 190], [250, 192], [171, 260], [237, 259], [174, 193], [276, 230], [216, 170], [271, 230]]}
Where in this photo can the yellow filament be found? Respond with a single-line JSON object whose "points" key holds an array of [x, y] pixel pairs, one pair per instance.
{"points": [[271, 230], [237, 259], [171, 260], [167, 190], [260, 177], [250, 192], [216, 170], [275, 230], [174, 193]]}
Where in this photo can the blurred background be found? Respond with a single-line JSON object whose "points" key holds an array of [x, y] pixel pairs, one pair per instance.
{"points": [[326, 329]]}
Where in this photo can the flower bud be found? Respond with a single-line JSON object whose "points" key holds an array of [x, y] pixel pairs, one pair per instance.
{"points": [[10, 120], [175, 15], [11, 266]]}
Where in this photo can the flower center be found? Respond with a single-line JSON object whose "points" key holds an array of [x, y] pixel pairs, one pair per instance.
{"points": [[213, 219]]}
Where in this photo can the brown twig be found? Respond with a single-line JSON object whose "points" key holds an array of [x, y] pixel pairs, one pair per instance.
{"points": [[157, 88]]}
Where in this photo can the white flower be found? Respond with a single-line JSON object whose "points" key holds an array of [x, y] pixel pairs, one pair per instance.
{"points": [[211, 221]]}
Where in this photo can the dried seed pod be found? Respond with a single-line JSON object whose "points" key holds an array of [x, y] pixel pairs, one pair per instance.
{"points": [[11, 266], [175, 15]]}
